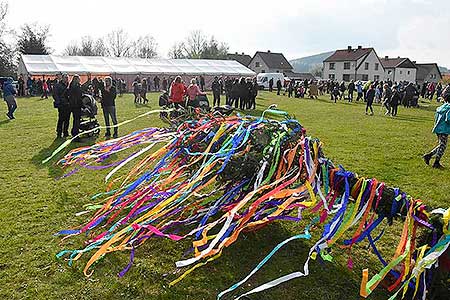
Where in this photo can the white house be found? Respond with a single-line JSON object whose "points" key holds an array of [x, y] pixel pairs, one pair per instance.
{"points": [[353, 64], [399, 69]]}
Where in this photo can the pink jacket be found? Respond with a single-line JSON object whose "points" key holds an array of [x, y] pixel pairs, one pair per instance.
{"points": [[193, 91]]}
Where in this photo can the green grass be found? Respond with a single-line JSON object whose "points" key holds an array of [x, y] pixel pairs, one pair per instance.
{"points": [[33, 206]]}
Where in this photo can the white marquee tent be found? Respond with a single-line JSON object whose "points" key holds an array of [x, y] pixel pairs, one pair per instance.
{"points": [[36, 65]]}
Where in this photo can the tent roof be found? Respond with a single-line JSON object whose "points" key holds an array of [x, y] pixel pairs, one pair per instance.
{"points": [[53, 64]]}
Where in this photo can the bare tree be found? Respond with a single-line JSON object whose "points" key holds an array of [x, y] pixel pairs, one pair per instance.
{"points": [[72, 49], [119, 43], [195, 44], [145, 47], [100, 48], [176, 51]]}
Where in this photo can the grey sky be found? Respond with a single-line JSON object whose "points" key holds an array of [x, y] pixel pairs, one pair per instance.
{"points": [[414, 28]]}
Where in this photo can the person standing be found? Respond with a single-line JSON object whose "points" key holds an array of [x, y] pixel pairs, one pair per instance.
{"points": [[164, 84], [395, 100], [108, 101], [44, 89], [177, 92], [438, 91], [228, 87], [243, 93], [9, 95], [61, 102], [156, 83], [342, 89], [202, 83], [74, 95], [271, 85], [387, 94], [442, 129], [144, 88], [235, 94], [216, 89], [193, 91], [254, 94], [279, 86], [21, 86], [351, 89], [370, 96]]}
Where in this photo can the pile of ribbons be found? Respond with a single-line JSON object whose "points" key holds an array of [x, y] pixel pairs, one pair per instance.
{"points": [[212, 178]]}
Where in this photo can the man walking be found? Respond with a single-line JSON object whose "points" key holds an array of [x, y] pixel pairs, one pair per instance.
{"points": [[351, 89], [9, 95], [61, 102]]}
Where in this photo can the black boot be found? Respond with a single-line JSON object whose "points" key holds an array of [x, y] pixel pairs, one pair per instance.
{"points": [[437, 165], [427, 158]]}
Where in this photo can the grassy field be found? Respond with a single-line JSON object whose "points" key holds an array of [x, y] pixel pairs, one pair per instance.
{"points": [[34, 205]]}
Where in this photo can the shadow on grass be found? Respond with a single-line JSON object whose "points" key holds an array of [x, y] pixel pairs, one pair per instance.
{"points": [[54, 170], [3, 122]]}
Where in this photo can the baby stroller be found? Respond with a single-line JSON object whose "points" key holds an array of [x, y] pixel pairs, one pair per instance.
{"points": [[88, 113], [201, 102]]}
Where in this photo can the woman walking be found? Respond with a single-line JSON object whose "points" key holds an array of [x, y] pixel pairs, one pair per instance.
{"points": [[442, 130], [370, 96]]}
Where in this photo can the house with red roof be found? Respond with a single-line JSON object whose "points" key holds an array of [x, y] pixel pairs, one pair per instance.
{"points": [[353, 64]]}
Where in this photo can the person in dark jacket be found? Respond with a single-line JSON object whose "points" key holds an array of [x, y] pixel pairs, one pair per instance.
{"points": [[351, 89], [395, 100], [202, 83], [243, 93], [410, 92], [156, 83], [216, 90], [164, 84], [235, 93], [271, 85], [342, 89], [144, 88], [9, 95], [370, 96], [254, 94], [109, 106], [228, 88], [61, 102], [74, 95], [279, 86], [424, 89]]}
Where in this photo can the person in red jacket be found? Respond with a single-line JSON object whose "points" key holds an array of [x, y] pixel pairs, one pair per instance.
{"points": [[177, 92]]}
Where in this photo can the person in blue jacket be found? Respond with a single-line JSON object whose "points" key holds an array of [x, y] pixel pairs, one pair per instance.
{"points": [[442, 130], [9, 95]]}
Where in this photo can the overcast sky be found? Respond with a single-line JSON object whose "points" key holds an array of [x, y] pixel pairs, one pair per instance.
{"points": [[418, 29]]}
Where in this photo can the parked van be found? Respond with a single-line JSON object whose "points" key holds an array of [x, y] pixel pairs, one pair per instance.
{"points": [[262, 79]]}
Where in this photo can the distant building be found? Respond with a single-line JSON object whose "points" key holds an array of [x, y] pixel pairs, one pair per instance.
{"points": [[299, 76], [446, 77], [357, 64], [269, 62], [399, 69], [428, 72], [243, 59]]}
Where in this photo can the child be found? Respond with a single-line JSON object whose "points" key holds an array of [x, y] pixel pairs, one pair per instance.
{"points": [[442, 130]]}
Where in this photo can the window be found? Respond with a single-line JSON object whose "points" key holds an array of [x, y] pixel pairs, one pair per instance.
{"points": [[263, 71], [257, 64], [376, 66], [346, 77], [409, 72], [366, 66], [365, 77], [331, 66], [401, 72], [346, 66], [376, 77], [389, 72], [331, 76]]}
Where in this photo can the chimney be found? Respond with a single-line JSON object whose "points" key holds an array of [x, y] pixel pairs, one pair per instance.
{"points": [[359, 47], [386, 57], [236, 53], [349, 48], [414, 62], [243, 53], [398, 56], [268, 51]]}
